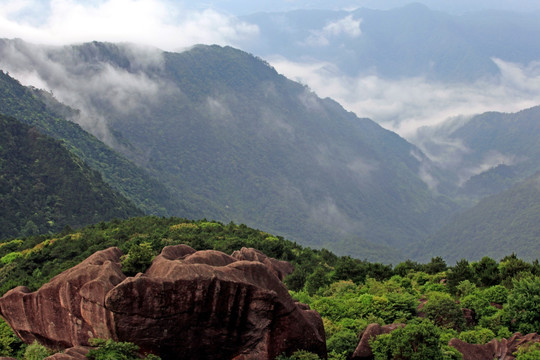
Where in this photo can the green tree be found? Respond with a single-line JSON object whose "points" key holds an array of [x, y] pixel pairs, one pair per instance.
{"points": [[9, 342], [436, 265], [487, 271], [138, 259], [523, 305], [442, 309], [418, 340], [318, 279], [510, 267], [477, 336], [461, 271]]}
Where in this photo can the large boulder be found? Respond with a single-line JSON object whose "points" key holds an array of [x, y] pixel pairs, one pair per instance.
{"points": [[495, 349], [363, 350], [187, 305]]}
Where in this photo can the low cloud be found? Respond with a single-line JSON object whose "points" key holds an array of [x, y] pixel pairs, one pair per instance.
{"points": [[406, 105], [161, 23], [490, 161], [93, 88], [348, 26]]}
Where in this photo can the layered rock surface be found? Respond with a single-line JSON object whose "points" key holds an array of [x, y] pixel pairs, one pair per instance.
{"points": [[187, 305], [495, 349]]}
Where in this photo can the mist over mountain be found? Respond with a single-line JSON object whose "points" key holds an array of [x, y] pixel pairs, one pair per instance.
{"points": [[43, 112], [225, 126], [488, 152], [409, 66]]}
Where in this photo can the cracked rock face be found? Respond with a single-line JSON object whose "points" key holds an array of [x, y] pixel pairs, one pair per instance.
{"points": [[188, 305]]}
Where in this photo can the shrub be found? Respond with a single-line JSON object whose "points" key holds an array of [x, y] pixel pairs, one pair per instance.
{"points": [[496, 294], [112, 350], [478, 336], [523, 303], [36, 351], [444, 311], [418, 340], [138, 259]]}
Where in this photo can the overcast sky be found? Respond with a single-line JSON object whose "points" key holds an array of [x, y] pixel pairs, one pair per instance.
{"points": [[173, 24]]}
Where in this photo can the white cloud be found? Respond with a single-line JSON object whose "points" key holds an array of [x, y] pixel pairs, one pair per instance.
{"points": [[348, 26], [161, 23], [408, 104]]}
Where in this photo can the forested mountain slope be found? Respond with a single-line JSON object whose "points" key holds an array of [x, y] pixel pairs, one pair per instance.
{"points": [[224, 125], [44, 188], [489, 152], [499, 224], [40, 110]]}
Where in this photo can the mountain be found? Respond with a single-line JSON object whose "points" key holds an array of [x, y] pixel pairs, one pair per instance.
{"points": [[406, 41], [489, 152], [256, 147], [497, 225], [44, 188], [41, 110]]}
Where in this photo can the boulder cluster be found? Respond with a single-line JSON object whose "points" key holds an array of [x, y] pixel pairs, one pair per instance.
{"points": [[187, 305]]}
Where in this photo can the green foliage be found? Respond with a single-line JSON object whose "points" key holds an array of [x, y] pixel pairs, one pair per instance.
{"points": [[528, 352], [36, 351], [138, 259], [497, 294], [342, 342], [43, 187], [436, 265], [10, 344], [112, 350], [418, 340], [479, 304], [460, 272], [477, 336], [487, 271], [299, 355], [443, 310], [7, 259], [523, 304]]}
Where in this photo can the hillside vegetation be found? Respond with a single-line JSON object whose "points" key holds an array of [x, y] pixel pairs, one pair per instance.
{"points": [[44, 188], [41, 111], [508, 221], [234, 140], [348, 293]]}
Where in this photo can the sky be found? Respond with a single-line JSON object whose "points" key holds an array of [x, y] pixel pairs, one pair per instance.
{"points": [[402, 105]]}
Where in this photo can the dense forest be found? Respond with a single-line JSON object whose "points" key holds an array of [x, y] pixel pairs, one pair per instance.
{"points": [[41, 186], [501, 296]]}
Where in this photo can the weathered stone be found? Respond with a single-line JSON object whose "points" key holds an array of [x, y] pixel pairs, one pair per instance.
{"points": [[495, 349], [278, 267], [363, 350], [74, 353], [187, 305]]}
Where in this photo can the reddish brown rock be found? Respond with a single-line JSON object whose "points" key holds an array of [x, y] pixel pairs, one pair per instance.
{"points": [[363, 350], [187, 305], [494, 349], [278, 267], [74, 353]]}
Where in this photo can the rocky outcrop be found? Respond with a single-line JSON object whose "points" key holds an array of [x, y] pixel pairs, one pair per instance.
{"points": [[187, 305], [494, 349], [363, 350], [74, 353]]}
